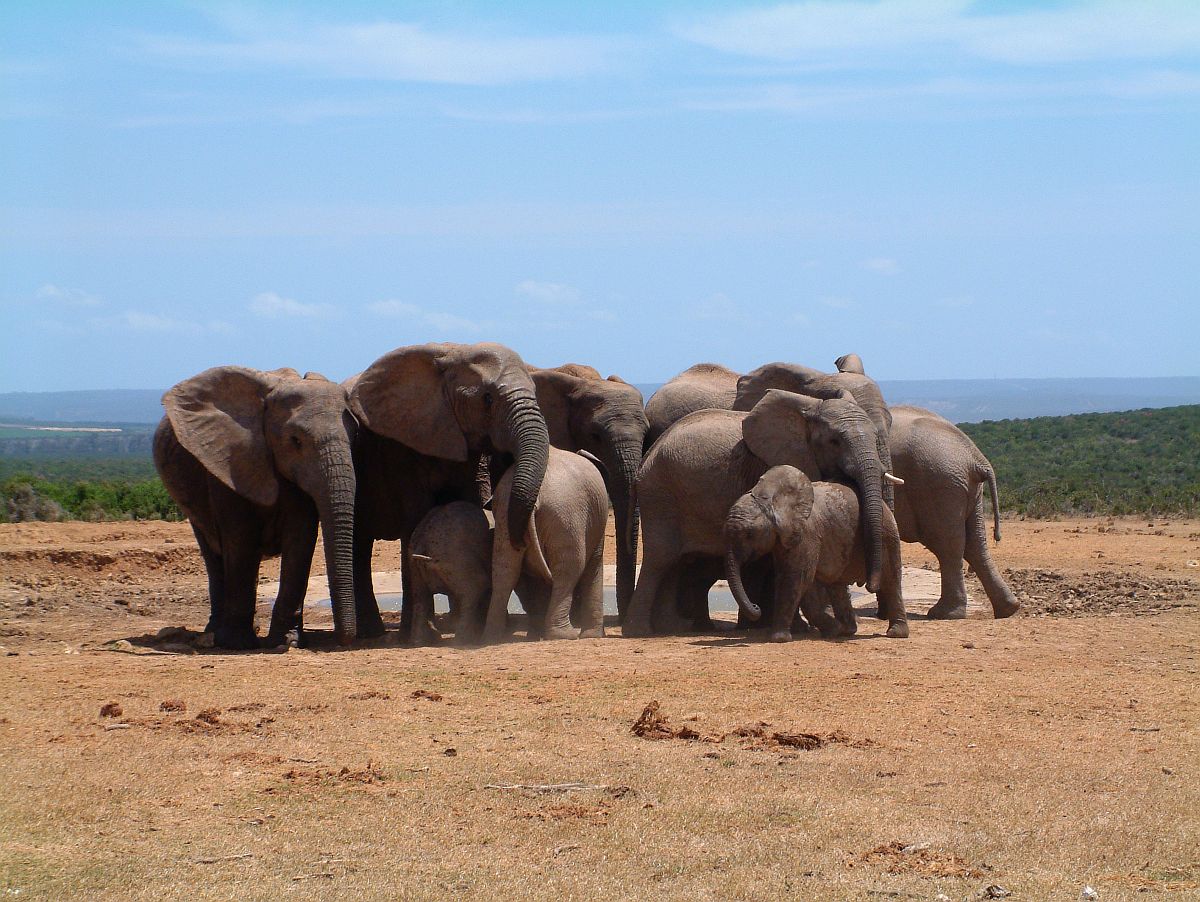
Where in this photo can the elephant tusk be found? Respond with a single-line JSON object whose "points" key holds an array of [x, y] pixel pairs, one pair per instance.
{"points": [[587, 455], [893, 479], [421, 557]]}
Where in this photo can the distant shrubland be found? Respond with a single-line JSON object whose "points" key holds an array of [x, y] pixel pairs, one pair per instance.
{"points": [[1137, 462]]}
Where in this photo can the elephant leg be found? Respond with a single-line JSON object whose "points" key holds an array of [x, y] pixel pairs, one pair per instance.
{"points": [[814, 602], [979, 556], [695, 582], [891, 595], [215, 568], [506, 573], [558, 613], [639, 617], [588, 608], [366, 607], [241, 563], [294, 568], [843, 610], [535, 599], [784, 611], [953, 602], [418, 605]]}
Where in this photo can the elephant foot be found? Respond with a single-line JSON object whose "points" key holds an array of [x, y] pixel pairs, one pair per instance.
{"points": [[560, 632], [1006, 607], [944, 610], [425, 634], [800, 626], [636, 629], [293, 638], [594, 633], [235, 637], [779, 636], [898, 629], [369, 626]]}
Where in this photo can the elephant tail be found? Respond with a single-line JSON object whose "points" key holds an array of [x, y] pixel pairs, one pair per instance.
{"points": [[535, 554], [985, 473]]}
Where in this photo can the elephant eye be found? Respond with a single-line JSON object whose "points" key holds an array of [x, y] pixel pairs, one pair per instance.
{"points": [[296, 442], [487, 399]]}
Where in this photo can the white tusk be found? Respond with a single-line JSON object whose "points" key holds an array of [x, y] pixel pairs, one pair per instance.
{"points": [[421, 557], [893, 479]]}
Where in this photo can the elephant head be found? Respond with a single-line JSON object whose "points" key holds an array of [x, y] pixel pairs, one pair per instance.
{"points": [[770, 515], [606, 418], [829, 439], [451, 401], [816, 384], [251, 429]]}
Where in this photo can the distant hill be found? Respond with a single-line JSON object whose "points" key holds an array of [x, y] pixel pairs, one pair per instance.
{"points": [[1133, 462]]}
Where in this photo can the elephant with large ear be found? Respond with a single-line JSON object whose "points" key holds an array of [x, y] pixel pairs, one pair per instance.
{"points": [[705, 386], [604, 417], [807, 381], [699, 468], [940, 505], [256, 460], [428, 413], [813, 533]]}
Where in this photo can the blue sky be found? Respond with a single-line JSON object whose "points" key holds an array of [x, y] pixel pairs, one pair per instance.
{"points": [[951, 189]]}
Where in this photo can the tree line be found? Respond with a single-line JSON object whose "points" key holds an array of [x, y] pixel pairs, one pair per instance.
{"points": [[1135, 462]]}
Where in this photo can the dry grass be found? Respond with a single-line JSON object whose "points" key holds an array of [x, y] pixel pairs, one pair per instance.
{"points": [[1040, 755]]}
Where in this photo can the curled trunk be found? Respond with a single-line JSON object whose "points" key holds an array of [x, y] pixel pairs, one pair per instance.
{"points": [[733, 575], [531, 453], [337, 527]]}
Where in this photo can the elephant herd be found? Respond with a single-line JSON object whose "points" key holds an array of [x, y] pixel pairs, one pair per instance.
{"points": [[497, 477]]}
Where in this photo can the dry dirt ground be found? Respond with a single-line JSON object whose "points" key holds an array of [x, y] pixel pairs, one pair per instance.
{"points": [[1033, 756]]}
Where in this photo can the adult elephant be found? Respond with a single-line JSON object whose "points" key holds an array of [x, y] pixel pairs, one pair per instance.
{"points": [[428, 414], [256, 460], [604, 417], [940, 505], [701, 387], [808, 381], [704, 463]]}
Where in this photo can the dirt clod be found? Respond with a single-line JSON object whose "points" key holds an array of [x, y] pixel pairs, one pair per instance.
{"points": [[111, 709]]}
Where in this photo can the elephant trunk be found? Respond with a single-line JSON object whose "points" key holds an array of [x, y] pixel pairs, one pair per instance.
{"points": [[733, 575], [336, 511], [622, 470], [885, 460], [531, 453], [868, 474]]}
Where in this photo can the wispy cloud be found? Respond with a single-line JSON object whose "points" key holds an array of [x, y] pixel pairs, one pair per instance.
{"points": [[885, 266], [555, 293], [438, 319], [269, 304], [73, 297], [390, 51], [860, 35], [138, 321]]}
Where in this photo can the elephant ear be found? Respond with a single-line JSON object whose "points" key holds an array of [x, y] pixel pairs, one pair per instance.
{"points": [[402, 396], [554, 389], [218, 417], [791, 499], [850, 363], [777, 430]]}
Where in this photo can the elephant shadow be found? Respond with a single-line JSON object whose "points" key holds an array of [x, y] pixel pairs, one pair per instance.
{"points": [[182, 641]]}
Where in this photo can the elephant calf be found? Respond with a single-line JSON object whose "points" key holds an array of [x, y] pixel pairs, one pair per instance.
{"points": [[813, 532]]}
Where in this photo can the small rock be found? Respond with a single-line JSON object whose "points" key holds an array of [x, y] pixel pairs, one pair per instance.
{"points": [[994, 891], [169, 633], [451, 752], [1089, 894], [110, 709]]}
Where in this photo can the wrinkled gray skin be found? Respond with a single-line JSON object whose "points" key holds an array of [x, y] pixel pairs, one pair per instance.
{"points": [[562, 561], [604, 417], [428, 413], [806, 381], [256, 460], [813, 533], [940, 505], [701, 465], [705, 386]]}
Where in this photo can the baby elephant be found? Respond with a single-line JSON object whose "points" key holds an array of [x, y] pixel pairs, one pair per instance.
{"points": [[813, 533], [561, 567], [451, 555]]}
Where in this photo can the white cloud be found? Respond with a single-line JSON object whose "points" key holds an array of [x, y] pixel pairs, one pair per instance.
{"points": [[270, 304], [554, 293], [391, 51], [860, 34], [438, 319], [74, 297], [885, 266]]}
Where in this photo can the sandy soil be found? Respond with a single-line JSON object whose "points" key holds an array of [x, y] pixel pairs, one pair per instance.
{"points": [[1038, 755]]}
